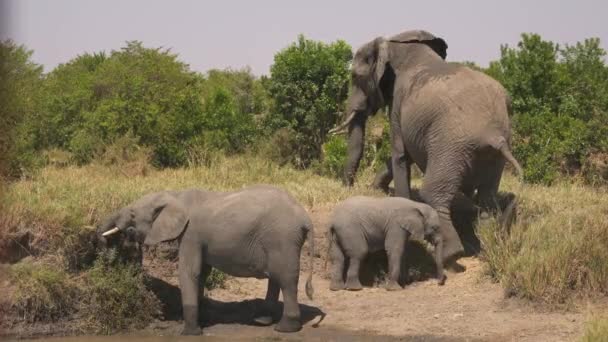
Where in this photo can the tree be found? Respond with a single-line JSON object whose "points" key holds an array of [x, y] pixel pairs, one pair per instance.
{"points": [[560, 100], [147, 93], [20, 81], [309, 84]]}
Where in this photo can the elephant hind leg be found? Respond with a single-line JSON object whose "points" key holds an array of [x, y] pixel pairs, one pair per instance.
{"points": [[265, 316], [442, 183], [337, 259], [489, 182]]}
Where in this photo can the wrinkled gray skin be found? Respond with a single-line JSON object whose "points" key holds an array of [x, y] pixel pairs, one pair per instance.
{"points": [[450, 120], [361, 225], [254, 232]]}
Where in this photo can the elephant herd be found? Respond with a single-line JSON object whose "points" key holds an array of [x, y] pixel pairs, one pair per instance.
{"points": [[451, 121]]}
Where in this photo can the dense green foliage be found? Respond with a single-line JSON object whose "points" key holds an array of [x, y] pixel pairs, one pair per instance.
{"points": [[308, 83], [147, 97], [20, 81], [560, 100]]}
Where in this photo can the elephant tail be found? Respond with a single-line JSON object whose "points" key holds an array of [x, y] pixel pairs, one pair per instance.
{"points": [[311, 243], [509, 212]]}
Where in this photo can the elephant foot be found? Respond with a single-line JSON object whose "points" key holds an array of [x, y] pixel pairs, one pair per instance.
{"points": [[263, 320], [192, 331], [441, 279], [353, 285], [288, 325], [336, 286], [393, 286]]}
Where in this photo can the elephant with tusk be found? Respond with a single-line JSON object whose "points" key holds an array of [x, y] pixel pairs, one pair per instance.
{"points": [[451, 121], [254, 232]]}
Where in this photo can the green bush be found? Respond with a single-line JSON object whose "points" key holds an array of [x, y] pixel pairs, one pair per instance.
{"points": [[19, 104], [115, 298], [334, 156], [560, 100], [309, 84]]}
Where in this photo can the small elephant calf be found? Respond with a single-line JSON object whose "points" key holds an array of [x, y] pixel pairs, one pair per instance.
{"points": [[361, 225]]}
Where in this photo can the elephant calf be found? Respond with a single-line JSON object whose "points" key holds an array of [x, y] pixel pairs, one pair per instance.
{"points": [[254, 232], [361, 225]]}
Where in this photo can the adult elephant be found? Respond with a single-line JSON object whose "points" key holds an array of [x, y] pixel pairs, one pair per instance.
{"points": [[450, 120]]}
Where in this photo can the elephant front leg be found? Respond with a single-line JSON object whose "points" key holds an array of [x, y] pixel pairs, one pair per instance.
{"points": [[272, 298], [190, 264], [394, 245], [401, 167], [384, 177]]}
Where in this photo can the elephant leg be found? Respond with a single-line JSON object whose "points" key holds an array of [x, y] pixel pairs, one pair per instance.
{"points": [[288, 275], [352, 275], [488, 186], [272, 298], [337, 264], [190, 266], [394, 245], [401, 174], [441, 184], [384, 177]]}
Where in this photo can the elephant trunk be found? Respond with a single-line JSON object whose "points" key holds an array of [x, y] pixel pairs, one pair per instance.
{"points": [[356, 141]]}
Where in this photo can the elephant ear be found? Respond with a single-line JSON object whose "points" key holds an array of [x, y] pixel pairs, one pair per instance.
{"points": [[414, 224], [422, 37], [380, 63], [170, 221]]}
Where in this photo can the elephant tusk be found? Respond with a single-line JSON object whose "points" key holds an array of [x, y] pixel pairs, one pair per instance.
{"points": [[111, 231], [343, 125]]}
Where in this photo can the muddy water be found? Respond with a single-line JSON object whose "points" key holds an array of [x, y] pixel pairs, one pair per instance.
{"points": [[225, 333]]}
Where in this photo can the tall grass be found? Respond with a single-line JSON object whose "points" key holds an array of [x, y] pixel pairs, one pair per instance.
{"points": [[557, 250]]}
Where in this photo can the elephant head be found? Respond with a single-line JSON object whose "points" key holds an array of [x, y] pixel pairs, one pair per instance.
{"points": [[427, 224], [150, 220], [374, 70]]}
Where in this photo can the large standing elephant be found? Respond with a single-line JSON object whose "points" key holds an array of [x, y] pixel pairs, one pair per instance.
{"points": [[254, 232], [450, 120]]}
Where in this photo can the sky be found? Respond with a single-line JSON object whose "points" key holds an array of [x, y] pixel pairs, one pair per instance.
{"points": [[221, 34]]}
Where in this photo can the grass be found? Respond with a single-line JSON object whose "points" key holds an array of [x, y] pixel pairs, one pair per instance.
{"points": [[596, 330], [61, 205], [556, 252], [41, 292]]}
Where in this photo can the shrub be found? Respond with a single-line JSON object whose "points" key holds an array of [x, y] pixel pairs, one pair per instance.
{"points": [[560, 100], [116, 298], [308, 84], [334, 156]]}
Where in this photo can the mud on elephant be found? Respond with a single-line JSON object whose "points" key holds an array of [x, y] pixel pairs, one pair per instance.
{"points": [[451, 121], [254, 232]]}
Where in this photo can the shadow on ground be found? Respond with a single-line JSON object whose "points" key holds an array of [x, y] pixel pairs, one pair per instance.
{"points": [[214, 312], [418, 263]]}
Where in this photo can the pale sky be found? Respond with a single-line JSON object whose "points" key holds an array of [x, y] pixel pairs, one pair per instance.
{"points": [[220, 34]]}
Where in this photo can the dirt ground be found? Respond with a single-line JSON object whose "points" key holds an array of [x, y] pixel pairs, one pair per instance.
{"points": [[468, 308]]}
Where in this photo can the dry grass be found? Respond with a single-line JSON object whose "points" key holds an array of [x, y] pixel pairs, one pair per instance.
{"points": [[557, 250], [596, 330], [555, 253]]}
